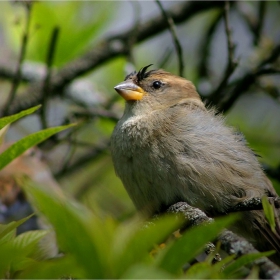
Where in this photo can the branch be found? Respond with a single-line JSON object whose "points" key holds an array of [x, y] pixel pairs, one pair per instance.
{"points": [[99, 113], [17, 77], [176, 41], [260, 22], [30, 72], [255, 24], [165, 58], [84, 160], [49, 62], [231, 64], [254, 203], [132, 38], [230, 242], [242, 85], [206, 44], [109, 48]]}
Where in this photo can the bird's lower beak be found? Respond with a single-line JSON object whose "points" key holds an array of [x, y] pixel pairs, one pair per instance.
{"points": [[129, 91]]}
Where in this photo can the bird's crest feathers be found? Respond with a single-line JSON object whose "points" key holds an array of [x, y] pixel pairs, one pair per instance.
{"points": [[141, 74]]}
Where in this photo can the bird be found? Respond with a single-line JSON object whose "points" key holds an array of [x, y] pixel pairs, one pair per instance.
{"points": [[169, 147]]}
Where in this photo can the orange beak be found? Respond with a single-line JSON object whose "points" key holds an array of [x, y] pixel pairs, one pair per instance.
{"points": [[129, 91]]}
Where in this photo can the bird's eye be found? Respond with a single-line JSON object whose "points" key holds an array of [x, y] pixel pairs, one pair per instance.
{"points": [[157, 84]]}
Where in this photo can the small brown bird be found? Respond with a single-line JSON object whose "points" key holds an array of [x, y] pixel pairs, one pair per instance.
{"points": [[168, 147]]}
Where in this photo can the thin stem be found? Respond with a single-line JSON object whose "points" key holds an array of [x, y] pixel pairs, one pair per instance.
{"points": [[46, 87], [231, 64], [176, 41], [17, 77]]}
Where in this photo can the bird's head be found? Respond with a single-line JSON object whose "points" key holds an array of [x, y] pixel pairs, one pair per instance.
{"points": [[157, 89]]}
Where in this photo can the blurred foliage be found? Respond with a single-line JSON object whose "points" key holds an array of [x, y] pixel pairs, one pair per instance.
{"points": [[79, 22], [94, 224]]}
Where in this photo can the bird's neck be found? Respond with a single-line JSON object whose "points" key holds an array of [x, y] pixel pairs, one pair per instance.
{"points": [[138, 108]]}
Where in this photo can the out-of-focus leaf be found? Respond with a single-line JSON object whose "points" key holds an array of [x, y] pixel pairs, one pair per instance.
{"points": [[269, 213], [21, 263], [132, 243], [254, 274], [9, 236], [3, 132], [64, 267], [202, 270], [7, 255], [244, 260], [72, 223], [27, 241], [10, 119], [191, 244], [142, 271], [27, 142], [5, 229], [79, 23]]}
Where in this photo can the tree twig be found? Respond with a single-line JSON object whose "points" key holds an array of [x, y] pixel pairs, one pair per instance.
{"points": [[46, 88], [230, 242], [231, 64], [132, 38], [17, 77], [176, 41], [254, 203], [242, 85], [86, 159], [255, 23], [98, 112], [259, 25], [165, 58], [205, 45]]}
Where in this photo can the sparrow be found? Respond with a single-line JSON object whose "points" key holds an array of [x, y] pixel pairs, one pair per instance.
{"points": [[168, 147]]}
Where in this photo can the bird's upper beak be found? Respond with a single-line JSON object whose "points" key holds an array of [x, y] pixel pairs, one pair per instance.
{"points": [[129, 91]]}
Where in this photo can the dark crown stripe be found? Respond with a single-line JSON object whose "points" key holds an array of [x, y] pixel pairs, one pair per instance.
{"points": [[142, 73]]}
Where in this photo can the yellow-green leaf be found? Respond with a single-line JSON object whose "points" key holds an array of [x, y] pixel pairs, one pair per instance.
{"points": [[269, 213], [10, 119], [27, 142]]}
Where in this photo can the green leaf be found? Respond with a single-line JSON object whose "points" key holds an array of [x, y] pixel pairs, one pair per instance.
{"points": [[254, 274], [27, 241], [27, 142], [142, 271], [64, 267], [72, 223], [201, 270], [133, 243], [191, 244], [9, 236], [5, 229], [79, 22], [244, 260], [7, 254], [3, 133], [269, 213], [21, 263], [10, 119]]}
